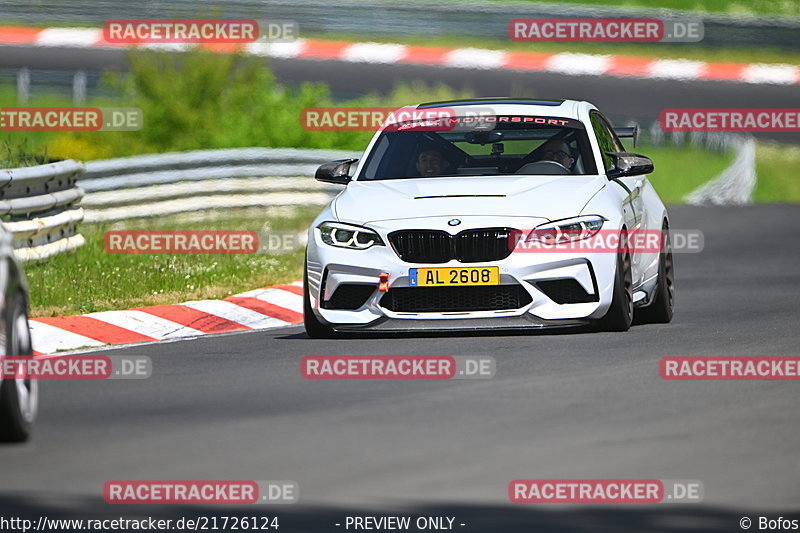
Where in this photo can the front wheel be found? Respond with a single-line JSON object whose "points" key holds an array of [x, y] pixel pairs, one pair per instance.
{"points": [[661, 309], [19, 398], [620, 315]]}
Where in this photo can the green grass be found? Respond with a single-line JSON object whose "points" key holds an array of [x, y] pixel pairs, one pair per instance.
{"points": [[90, 279], [19, 149], [750, 7], [29, 147], [778, 173], [692, 51], [200, 100], [18, 153], [681, 169]]}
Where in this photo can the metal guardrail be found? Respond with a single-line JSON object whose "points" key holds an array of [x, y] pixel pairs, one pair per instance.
{"points": [[421, 18], [40, 206], [43, 205], [735, 184], [157, 185]]}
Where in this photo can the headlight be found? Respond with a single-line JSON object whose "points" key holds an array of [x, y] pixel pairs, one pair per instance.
{"points": [[569, 229], [348, 236]]}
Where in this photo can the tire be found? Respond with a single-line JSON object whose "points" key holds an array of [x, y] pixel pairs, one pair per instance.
{"points": [[314, 328], [620, 314], [19, 398], [660, 311]]}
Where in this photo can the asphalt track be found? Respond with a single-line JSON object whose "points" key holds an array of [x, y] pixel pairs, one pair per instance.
{"points": [[563, 405], [643, 98]]}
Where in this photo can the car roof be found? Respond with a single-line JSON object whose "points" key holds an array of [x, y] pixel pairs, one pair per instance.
{"points": [[516, 106]]}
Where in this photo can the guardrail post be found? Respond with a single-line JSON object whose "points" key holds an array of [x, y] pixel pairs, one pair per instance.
{"points": [[23, 85], [79, 87]]}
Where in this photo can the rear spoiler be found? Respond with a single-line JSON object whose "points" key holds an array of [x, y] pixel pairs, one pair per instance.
{"points": [[631, 133]]}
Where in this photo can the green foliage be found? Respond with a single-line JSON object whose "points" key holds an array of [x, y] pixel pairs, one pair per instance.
{"points": [[203, 100], [777, 171], [17, 153], [750, 7], [681, 169], [58, 286]]}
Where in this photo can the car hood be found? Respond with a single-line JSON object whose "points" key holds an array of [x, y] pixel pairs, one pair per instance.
{"points": [[551, 197]]}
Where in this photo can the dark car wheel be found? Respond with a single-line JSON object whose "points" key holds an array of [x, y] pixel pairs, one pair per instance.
{"points": [[19, 398], [660, 311], [620, 314]]}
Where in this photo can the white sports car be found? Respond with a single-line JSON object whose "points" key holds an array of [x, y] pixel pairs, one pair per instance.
{"points": [[478, 214]]}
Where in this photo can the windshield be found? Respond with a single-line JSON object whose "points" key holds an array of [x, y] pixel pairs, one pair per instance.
{"points": [[497, 145]]}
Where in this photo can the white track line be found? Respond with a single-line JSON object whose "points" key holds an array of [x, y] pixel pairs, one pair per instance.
{"points": [[780, 74], [69, 37], [577, 64], [281, 50], [475, 58], [676, 69], [374, 53]]}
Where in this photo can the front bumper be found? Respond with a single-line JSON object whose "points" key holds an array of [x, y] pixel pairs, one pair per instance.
{"points": [[329, 268], [500, 323]]}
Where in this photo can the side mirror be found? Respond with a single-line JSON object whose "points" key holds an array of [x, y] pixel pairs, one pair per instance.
{"points": [[628, 164], [336, 172]]}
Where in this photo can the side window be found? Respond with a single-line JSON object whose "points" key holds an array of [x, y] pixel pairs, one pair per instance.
{"points": [[606, 138]]}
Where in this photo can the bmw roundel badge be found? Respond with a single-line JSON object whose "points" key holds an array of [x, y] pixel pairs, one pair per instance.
{"points": [[453, 222]]}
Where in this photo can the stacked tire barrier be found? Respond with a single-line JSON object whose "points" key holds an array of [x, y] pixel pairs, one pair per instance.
{"points": [[41, 208]]}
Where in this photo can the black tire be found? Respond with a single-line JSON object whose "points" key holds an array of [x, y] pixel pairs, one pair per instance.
{"points": [[314, 328], [18, 397], [620, 315], [660, 311]]}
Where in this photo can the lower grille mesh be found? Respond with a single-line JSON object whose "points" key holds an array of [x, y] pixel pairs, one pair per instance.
{"points": [[454, 299], [565, 291], [349, 296]]}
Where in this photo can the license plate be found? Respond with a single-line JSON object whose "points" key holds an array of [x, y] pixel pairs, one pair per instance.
{"points": [[444, 277]]}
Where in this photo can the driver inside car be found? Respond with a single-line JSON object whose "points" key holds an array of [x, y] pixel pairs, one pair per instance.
{"points": [[557, 150], [430, 162]]}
